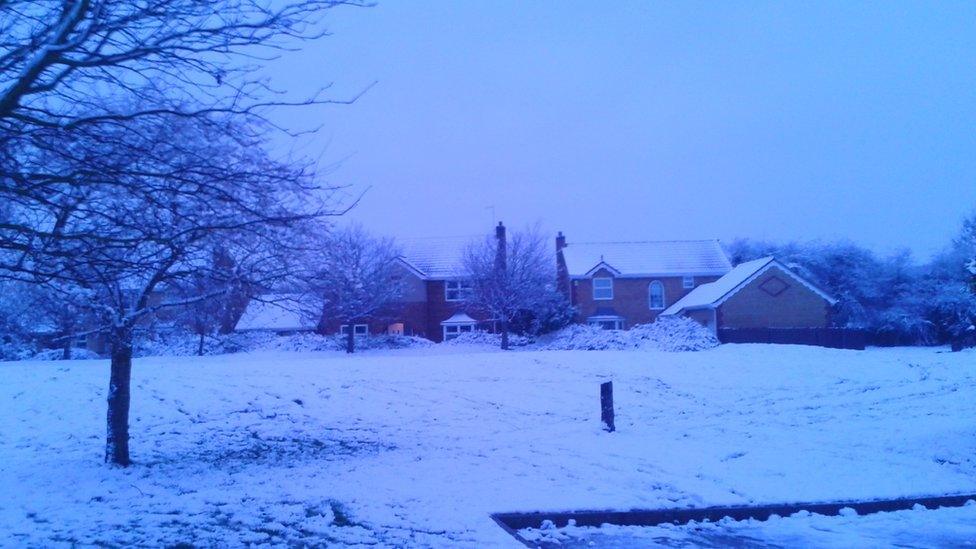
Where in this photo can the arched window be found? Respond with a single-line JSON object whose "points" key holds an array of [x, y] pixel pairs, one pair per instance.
{"points": [[655, 295]]}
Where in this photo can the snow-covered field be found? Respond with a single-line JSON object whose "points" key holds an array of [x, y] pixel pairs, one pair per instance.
{"points": [[417, 447]]}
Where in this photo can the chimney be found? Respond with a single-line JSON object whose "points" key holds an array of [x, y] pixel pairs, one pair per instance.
{"points": [[501, 255], [562, 272]]}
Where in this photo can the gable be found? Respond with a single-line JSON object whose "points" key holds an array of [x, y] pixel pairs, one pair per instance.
{"points": [[713, 294], [414, 288], [776, 298], [602, 272], [775, 279]]}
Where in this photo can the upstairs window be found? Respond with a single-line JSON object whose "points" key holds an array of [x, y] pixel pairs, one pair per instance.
{"points": [[687, 282], [457, 290], [602, 288], [655, 295]]}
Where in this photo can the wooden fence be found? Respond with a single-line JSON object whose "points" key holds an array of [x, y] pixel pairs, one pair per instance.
{"points": [[835, 338]]}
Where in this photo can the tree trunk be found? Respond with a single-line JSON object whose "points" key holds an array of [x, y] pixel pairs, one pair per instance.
{"points": [[200, 345], [503, 326], [66, 350], [351, 339], [117, 439]]}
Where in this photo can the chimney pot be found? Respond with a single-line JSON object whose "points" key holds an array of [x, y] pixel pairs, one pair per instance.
{"points": [[560, 241]]}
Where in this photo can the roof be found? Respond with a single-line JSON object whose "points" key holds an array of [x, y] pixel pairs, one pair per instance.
{"points": [[715, 293], [277, 313], [441, 257], [649, 258], [459, 318]]}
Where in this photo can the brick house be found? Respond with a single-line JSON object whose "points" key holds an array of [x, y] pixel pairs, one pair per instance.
{"points": [[615, 285], [434, 273], [762, 293], [431, 303], [618, 285]]}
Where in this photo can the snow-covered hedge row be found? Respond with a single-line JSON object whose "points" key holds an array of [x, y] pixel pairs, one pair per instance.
{"points": [[489, 340], [182, 344], [57, 354], [667, 334]]}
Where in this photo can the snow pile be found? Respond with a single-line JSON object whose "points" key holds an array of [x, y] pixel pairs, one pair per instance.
{"points": [[667, 334], [482, 338]]}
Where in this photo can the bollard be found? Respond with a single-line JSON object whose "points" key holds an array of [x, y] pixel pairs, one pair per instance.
{"points": [[606, 406]]}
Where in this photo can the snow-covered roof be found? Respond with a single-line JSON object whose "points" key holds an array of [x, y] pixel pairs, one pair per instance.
{"points": [[715, 293], [441, 257], [277, 313], [654, 258], [459, 318]]}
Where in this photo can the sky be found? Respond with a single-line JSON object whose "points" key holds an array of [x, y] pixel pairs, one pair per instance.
{"points": [[649, 120]]}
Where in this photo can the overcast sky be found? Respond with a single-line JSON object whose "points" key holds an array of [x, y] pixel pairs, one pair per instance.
{"points": [[652, 120]]}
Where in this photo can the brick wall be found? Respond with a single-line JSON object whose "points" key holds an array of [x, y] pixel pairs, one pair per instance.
{"points": [[630, 296], [774, 300], [439, 310], [705, 317], [413, 315]]}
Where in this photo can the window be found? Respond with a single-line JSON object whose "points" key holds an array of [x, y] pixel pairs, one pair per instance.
{"points": [[358, 330], [655, 295], [687, 282], [602, 288], [607, 323], [451, 331], [82, 341], [457, 290]]}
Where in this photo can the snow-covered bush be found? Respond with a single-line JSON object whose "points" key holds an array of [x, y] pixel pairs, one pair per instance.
{"points": [[392, 342], [479, 337], [667, 334], [57, 354], [14, 348], [186, 344]]}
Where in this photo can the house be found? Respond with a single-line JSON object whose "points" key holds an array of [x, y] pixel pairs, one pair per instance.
{"points": [[762, 293], [433, 304], [614, 285], [434, 292], [617, 285]]}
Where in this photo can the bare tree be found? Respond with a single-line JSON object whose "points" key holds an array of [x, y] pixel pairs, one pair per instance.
{"points": [[54, 309], [131, 133], [202, 313], [966, 242], [137, 235], [354, 277], [60, 59], [80, 71], [510, 277]]}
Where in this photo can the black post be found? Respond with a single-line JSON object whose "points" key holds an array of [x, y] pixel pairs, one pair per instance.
{"points": [[606, 406]]}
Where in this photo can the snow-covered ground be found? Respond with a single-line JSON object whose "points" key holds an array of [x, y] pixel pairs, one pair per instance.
{"points": [[418, 446]]}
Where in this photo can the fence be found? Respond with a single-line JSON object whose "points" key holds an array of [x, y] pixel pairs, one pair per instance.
{"points": [[835, 338]]}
